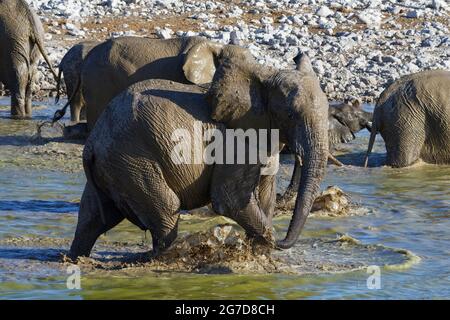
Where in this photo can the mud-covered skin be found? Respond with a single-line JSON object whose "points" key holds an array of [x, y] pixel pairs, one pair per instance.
{"points": [[21, 42], [130, 171], [413, 117], [70, 68], [116, 64], [344, 121], [131, 174]]}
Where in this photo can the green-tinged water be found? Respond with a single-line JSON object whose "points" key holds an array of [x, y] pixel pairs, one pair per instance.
{"points": [[39, 195]]}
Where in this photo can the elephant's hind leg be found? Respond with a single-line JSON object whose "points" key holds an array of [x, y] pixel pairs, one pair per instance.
{"points": [[90, 224], [18, 91], [403, 147], [154, 203]]}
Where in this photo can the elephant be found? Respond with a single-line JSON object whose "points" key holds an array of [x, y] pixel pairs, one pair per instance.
{"points": [[413, 116], [21, 41], [117, 63], [131, 172], [70, 67], [344, 120]]}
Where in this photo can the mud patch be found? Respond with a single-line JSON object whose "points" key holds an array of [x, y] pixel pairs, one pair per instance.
{"points": [[221, 249], [332, 202]]}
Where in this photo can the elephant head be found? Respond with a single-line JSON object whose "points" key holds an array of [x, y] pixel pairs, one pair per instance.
{"points": [[245, 94], [345, 120]]}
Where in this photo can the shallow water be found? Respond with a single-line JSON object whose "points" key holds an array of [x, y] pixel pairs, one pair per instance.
{"points": [[408, 208]]}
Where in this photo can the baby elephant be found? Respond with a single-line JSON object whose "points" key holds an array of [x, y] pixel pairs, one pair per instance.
{"points": [[70, 67], [413, 117], [137, 169]]}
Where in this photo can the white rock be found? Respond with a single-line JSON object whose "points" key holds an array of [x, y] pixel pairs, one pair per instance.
{"points": [[164, 33], [324, 11], [371, 17]]}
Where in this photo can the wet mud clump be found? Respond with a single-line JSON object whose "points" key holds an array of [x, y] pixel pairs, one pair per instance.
{"points": [[221, 249], [332, 202]]}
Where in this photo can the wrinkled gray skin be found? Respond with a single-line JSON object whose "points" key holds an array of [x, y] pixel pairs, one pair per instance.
{"points": [[130, 172], [344, 120], [117, 63], [21, 41], [413, 117], [70, 67]]}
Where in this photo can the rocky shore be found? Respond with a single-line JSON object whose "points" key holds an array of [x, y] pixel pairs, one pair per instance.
{"points": [[356, 46]]}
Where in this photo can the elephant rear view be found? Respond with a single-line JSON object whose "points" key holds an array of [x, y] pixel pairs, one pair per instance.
{"points": [[21, 40], [413, 117], [70, 67], [114, 65]]}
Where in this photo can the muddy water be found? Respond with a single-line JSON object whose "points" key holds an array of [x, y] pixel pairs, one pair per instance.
{"points": [[41, 184]]}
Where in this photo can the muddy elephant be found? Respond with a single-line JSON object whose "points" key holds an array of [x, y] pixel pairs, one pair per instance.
{"points": [[117, 63], [413, 116], [344, 121], [134, 170], [70, 68], [21, 41]]}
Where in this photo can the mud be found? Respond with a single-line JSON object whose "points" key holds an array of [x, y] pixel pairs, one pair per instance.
{"points": [[221, 249], [332, 202]]}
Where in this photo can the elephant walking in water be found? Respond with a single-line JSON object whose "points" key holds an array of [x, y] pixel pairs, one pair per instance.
{"points": [[131, 172], [116, 64], [413, 117], [21, 41]]}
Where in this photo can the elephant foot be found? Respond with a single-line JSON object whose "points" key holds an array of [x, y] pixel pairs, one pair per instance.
{"points": [[20, 117]]}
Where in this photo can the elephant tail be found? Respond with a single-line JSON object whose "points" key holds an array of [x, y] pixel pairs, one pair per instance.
{"points": [[61, 112], [88, 165], [58, 86], [36, 31], [373, 134], [44, 54]]}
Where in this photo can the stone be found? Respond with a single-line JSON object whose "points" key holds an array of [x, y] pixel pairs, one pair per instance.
{"points": [[324, 11]]}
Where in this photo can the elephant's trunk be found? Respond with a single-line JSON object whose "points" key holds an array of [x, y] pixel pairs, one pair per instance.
{"points": [[314, 152]]}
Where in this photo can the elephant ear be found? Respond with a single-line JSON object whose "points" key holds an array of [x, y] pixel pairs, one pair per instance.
{"points": [[303, 63], [199, 66], [238, 93]]}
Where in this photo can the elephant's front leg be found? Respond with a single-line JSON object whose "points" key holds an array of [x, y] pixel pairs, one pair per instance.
{"points": [[238, 193], [255, 221]]}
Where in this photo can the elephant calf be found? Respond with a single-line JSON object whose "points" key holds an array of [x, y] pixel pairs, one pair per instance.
{"points": [[129, 155], [70, 67], [413, 117], [21, 40]]}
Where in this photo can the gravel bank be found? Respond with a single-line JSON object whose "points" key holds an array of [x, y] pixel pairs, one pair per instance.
{"points": [[356, 46]]}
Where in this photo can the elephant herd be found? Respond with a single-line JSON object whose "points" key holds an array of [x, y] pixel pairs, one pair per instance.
{"points": [[128, 95]]}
